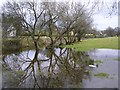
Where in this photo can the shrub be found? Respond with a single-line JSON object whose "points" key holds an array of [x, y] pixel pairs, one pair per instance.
{"points": [[11, 45]]}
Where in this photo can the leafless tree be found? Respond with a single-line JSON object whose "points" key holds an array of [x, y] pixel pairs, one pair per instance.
{"points": [[30, 13], [73, 17]]}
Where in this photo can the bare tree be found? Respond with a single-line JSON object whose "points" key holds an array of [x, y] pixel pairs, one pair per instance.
{"points": [[56, 17], [51, 16], [74, 17], [30, 13]]}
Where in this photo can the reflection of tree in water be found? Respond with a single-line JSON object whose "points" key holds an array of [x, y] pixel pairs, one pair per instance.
{"points": [[55, 67]]}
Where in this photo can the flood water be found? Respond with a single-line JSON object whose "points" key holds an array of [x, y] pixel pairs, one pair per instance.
{"points": [[61, 68], [109, 65]]}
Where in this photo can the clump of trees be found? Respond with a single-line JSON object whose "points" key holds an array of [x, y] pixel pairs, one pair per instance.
{"points": [[110, 32], [9, 20], [62, 21]]}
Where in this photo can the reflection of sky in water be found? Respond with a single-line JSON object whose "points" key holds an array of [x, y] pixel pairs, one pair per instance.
{"points": [[29, 54], [57, 51], [104, 53], [109, 66]]}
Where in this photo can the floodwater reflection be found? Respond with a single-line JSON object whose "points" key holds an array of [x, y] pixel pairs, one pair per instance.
{"points": [[54, 68]]}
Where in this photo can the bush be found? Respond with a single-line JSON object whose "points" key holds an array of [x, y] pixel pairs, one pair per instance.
{"points": [[25, 34], [11, 45], [11, 42]]}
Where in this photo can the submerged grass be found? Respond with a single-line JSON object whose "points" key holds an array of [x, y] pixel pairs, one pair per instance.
{"points": [[85, 45], [102, 75], [98, 62], [118, 59]]}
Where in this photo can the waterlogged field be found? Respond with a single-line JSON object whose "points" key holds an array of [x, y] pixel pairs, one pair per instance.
{"points": [[88, 44], [64, 67], [106, 74], [61, 68]]}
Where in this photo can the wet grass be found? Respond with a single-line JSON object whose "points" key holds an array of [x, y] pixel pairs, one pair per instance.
{"points": [[102, 75], [88, 44]]}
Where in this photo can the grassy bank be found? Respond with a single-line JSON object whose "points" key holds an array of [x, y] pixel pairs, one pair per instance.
{"points": [[85, 45]]}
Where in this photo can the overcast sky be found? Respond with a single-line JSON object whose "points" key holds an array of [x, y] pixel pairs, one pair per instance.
{"points": [[102, 20]]}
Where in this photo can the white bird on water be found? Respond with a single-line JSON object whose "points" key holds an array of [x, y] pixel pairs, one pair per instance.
{"points": [[93, 66]]}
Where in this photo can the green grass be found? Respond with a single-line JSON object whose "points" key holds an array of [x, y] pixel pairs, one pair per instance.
{"points": [[85, 45]]}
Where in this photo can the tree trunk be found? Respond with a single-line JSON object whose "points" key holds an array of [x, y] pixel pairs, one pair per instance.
{"points": [[79, 38], [60, 42], [36, 51], [51, 39]]}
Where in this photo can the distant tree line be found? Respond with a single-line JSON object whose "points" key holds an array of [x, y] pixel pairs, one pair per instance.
{"points": [[110, 32]]}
